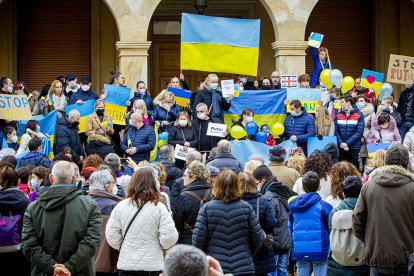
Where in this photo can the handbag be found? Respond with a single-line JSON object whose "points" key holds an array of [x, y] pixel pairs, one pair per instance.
{"points": [[267, 243], [130, 223]]}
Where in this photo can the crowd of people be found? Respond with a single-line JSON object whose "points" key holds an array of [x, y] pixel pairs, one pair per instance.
{"points": [[100, 206]]}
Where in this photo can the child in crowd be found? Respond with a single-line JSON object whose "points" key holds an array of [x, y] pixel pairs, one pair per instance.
{"points": [[308, 227], [37, 177], [11, 138], [296, 159], [23, 174], [373, 163], [303, 81], [320, 62], [270, 141]]}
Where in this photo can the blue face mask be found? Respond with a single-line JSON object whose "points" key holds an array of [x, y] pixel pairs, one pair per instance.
{"points": [[293, 113], [34, 184], [360, 105], [408, 86], [214, 86], [131, 123]]}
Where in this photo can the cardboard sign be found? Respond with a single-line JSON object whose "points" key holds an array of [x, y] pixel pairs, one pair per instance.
{"points": [[315, 40], [14, 107], [401, 69], [217, 130], [310, 106], [181, 153], [372, 79], [289, 81], [306, 94], [227, 88]]}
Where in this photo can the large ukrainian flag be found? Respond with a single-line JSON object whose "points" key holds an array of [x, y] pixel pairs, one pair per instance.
{"points": [[217, 44]]}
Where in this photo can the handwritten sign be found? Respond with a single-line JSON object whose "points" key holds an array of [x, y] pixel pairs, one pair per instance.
{"points": [[306, 94], [227, 88], [310, 106], [217, 130], [14, 107], [289, 81], [181, 153], [401, 69], [115, 102]]}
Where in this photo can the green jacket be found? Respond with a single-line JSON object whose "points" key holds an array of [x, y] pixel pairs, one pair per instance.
{"points": [[62, 226]]}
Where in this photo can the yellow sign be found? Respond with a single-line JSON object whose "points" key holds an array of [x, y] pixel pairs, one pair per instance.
{"points": [[310, 106], [117, 112], [14, 107]]}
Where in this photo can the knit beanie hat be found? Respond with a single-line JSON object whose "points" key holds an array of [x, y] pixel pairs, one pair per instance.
{"points": [[277, 154]]}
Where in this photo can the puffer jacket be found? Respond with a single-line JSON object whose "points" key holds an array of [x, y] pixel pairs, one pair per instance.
{"points": [[161, 114], [186, 209], [386, 231], [206, 96], [349, 129], [263, 262], [389, 134], [67, 135], [142, 138], [83, 96], [308, 227], [229, 232], [317, 67], [34, 159], [179, 135], [302, 126], [226, 160], [409, 144], [173, 173], [151, 232], [146, 98]]}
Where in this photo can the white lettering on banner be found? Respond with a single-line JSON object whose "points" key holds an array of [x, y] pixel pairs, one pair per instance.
{"points": [[181, 153], [217, 130]]}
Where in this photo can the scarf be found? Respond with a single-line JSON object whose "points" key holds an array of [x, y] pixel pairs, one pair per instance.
{"points": [[215, 104]]}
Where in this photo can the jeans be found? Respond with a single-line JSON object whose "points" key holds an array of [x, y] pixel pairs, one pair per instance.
{"points": [[305, 268], [382, 271], [404, 128], [282, 262]]}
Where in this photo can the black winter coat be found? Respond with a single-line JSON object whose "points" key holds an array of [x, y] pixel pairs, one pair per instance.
{"points": [[67, 135], [226, 160], [206, 96], [179, 135], [173, 173], [176, 189], [229, 232], [403, 102], [100, 148], [205, 143], [185, 212], [263, 262]]}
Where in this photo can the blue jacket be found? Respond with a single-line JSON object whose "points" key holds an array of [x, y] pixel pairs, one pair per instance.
{"points": [[143, 139], [160, 114], [349, 129], [67, 135], [263, 262], [147, 99], [35, 159], [302, 126], [308, 227], [226, 160], [317, 67], [82, 95]]}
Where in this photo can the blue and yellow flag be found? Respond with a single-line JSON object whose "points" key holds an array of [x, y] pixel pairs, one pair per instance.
{"points": [[154, 152], [181, 96], [85, 110], [218, 44], [372, 79], [268, 107]]}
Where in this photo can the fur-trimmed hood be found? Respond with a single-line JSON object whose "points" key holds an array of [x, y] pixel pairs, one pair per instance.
{"points": [[100, 138], [391, 176]]}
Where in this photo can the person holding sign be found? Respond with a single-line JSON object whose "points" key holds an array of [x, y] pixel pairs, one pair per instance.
{"points": [[84, 93], [212, 96], [56, 100], [174, 82], [384, 130], [166, 112], [6, 87], [320, 61]]}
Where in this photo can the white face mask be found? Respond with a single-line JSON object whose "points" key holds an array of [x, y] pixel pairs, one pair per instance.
{"points": [[201, 116], [85, 87], [139, 111], [9, 88], [13, 139], [384, 126], [183, 122], [213, 85], [115, 190], [249, 119]]}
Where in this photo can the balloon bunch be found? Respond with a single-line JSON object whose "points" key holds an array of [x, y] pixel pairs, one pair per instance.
{"points": [[238, 132], [334, 77], [162, 139]]}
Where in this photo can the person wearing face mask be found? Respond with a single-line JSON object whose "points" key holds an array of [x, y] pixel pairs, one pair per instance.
{"points": [[72, 85], [245, 84], [32, 130], [383, 129], [165, 114], [349, 128], [406, 109], [245, 117], [265, 84], [211, 95], [37, 180], [368, 110], [11, 138], [183, 133], [140, 107], [6, 87], [84, 93], [299, 125], [99, 120], [67, 134], [56, 100], [387, 106], [141, 94]]}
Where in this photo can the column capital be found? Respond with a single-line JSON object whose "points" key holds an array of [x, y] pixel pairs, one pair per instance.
{"points": [[133, 48], [290, 48]]}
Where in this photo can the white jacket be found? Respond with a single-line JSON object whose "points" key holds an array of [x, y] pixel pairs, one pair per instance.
{"points": [[152, 232]]}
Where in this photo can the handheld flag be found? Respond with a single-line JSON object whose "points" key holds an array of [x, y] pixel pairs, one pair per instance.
{"points": [[129, 141], [372, 79], [182, 96], [315, 40]]}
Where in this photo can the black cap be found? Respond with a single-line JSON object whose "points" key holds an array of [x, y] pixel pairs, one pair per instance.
{"points": [[86, 79], [70, 76]]}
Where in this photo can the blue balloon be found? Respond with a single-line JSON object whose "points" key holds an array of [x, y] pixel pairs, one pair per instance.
{"points": [[251, 128], [261, 137]]}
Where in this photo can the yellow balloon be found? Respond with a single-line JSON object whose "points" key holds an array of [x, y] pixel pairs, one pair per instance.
{"points": [[162, 143], [325, 78], [237, 132], [278, 129], [347, 84]]}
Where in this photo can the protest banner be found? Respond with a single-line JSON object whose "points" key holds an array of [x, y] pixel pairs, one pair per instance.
{"points": [[217, 130], [315, 40], [373, 148], [289, 81], [14, 107], [309, 97], [372, 79], [115, 102], [227, 88], [84, 109], [401, 69], [181, 153], [315, 144], [181, 96]]}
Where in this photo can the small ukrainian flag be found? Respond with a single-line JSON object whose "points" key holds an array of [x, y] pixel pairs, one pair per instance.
{"points": [[129, 141]]}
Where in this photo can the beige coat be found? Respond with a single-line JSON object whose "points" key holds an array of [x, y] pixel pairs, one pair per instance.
{"points": [[287, 176], [93, 124]]}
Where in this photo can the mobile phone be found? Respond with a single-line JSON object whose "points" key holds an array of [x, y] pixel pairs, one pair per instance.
{"points": [[124, 161]]}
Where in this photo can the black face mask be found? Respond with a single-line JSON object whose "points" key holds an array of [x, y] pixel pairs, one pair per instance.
{"points": [[75, 124], [100, 112], [265, 87]]}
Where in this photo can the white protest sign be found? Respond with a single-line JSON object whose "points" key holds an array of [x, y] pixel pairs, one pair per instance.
{"points": [[181, 153], [227, 88], [217, 130]]}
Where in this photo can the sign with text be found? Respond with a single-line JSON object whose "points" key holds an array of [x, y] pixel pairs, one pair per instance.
{"points": [[115, 102], [181, 153], [14, 107], [289, 81], [227, 88], [217, 130], [401, 69], [309, 97], [310, 106]]}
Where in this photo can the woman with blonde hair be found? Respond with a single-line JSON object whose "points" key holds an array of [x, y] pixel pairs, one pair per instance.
{"points": [[56, 100], [140, 107], [211, 95], [377, 161], [339, 172], [166, 112], [323, 121], [296, 160]]}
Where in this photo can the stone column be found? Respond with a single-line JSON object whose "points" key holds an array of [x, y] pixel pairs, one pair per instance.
{"points": [[290, 56], [133, 61]]}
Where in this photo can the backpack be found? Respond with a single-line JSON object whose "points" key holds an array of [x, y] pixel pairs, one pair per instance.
{"points": [[9, 233], [202, 201], [347, 249]]}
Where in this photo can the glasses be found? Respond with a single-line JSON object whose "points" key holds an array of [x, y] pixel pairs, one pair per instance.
{"points": [[275, 77]]}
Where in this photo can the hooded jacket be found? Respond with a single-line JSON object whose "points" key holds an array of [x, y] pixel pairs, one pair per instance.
{"points": [[83, 96], [383, 217], [349, 128], [333, 151], [308, 227], [226, 160], [14, 201], [35, 159], [302, 126], [389, 134], [50, 235], [100, 145], [67, 135]]}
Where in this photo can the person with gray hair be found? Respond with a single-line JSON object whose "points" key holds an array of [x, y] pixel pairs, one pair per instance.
{"points": [[257, 157], [114, 162], [167, 159], [62, 206], [224, 159], [383, 215], [67, 135]]}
